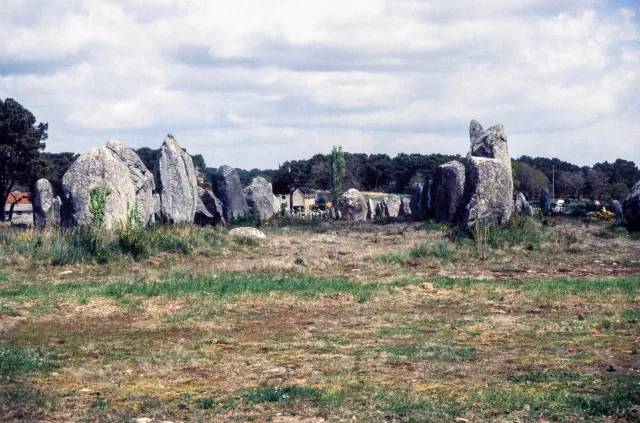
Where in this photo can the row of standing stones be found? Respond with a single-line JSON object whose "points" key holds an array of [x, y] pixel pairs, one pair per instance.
{"points": [[478, 191], [170, 194]]}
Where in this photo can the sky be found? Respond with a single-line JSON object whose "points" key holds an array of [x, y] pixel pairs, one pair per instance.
{"points": [[254, 83]]}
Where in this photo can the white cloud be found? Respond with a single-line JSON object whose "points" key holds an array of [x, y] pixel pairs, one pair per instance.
{"points": [[253, 84]]}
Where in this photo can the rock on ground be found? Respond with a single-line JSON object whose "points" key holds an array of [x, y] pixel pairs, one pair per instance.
{"points": [[371, 210], [176, 183], [23, 221], [353, 206], [213, 207], [522, 207], [616, 208], [57, 210], [448, 188], [416, 200], [97, 167], [545, 201], [631, 208], [392, 206], [246, 233], [259, 197], [143, 180], [405, 208], [227, 187], [277, 205], [488, 192], [43, 205], [426, 201]]}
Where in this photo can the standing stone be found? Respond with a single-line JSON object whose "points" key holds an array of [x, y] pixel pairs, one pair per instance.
{"points": [[259, 197], [212, 205], [43, 205], [227, 187], [353, 206], [277, 206], [97, 167], [631, 208], [157, 213], [488, 193], [142, 178], [202, 216], [405, 208], [416, 200], [392, 206], [545, 201], [426, 201], [522, 207], [379, 213], [176, 183], [616, 208], [448, 189], [57, 211], [371, 211]]}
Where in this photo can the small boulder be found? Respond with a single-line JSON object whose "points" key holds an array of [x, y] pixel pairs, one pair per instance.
{"points": [[545, 201], [227, 187], [259, 197], [213, 206], [22, 221], [43, 205], [616, 208], [631, 208], [353, 206], [246, 233], [176, 183], [405, 208], [522, 207], [448, 189]]}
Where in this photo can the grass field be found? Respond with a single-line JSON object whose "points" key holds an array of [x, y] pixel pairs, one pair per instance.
{"points": [[323, 322]]}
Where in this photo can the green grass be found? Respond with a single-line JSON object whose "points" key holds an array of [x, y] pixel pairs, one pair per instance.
{"points": [[632, 315], [18, 360], [444, 250], [401, 352], [544, 376]]}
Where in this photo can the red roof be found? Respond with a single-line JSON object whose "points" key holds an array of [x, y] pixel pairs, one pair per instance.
{"points": [[22, 197]]}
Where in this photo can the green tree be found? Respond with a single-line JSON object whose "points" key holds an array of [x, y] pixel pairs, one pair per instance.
{"points": [[338, 171], [198, 162], [527, 179], [21, 141]]}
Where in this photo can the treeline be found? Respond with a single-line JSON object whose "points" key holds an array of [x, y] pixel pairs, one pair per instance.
{"points": [[379, 172]]}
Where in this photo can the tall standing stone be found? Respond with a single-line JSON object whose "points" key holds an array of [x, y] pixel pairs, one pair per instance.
{"points": [[631, 208], [42, 200], [57, 210], [416, 200], [448, 188], [213, 207], [259, 197], [426, 201], [176, 183], [488, 193], [227, 187], [142, 178], [616, 208], [98, 167], [545, 201], [353, 206], [371, 210], [405, 208]]}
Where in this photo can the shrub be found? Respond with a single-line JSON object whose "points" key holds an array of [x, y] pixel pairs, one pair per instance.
{"points": [[444, 250], [78, 244], [97, 205], [518, 230], [131, 235]]}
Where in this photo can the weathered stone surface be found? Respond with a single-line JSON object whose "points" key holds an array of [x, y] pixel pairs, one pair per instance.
{"points": [[259, 197], [371, 210], [43, 205], [246, 233], [545, 201], [416, 199], [156, 207], [213, 207], [353, 206], [631, 208], [616, 208], [379, 212], [426, 201], [141, 177], [522, 207], [405, 208], [57, 211], [227, 187], [488, 196], [488, 192], [448, 189], [97, 167], [392, 206], [277, 205], [176, 183], [23, 221]]}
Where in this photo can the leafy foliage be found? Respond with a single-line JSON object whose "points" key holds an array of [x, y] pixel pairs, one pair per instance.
{"points": [[98, 204]]}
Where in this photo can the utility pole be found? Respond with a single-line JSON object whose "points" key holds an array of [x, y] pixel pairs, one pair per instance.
{"points": [[553, 184]]}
